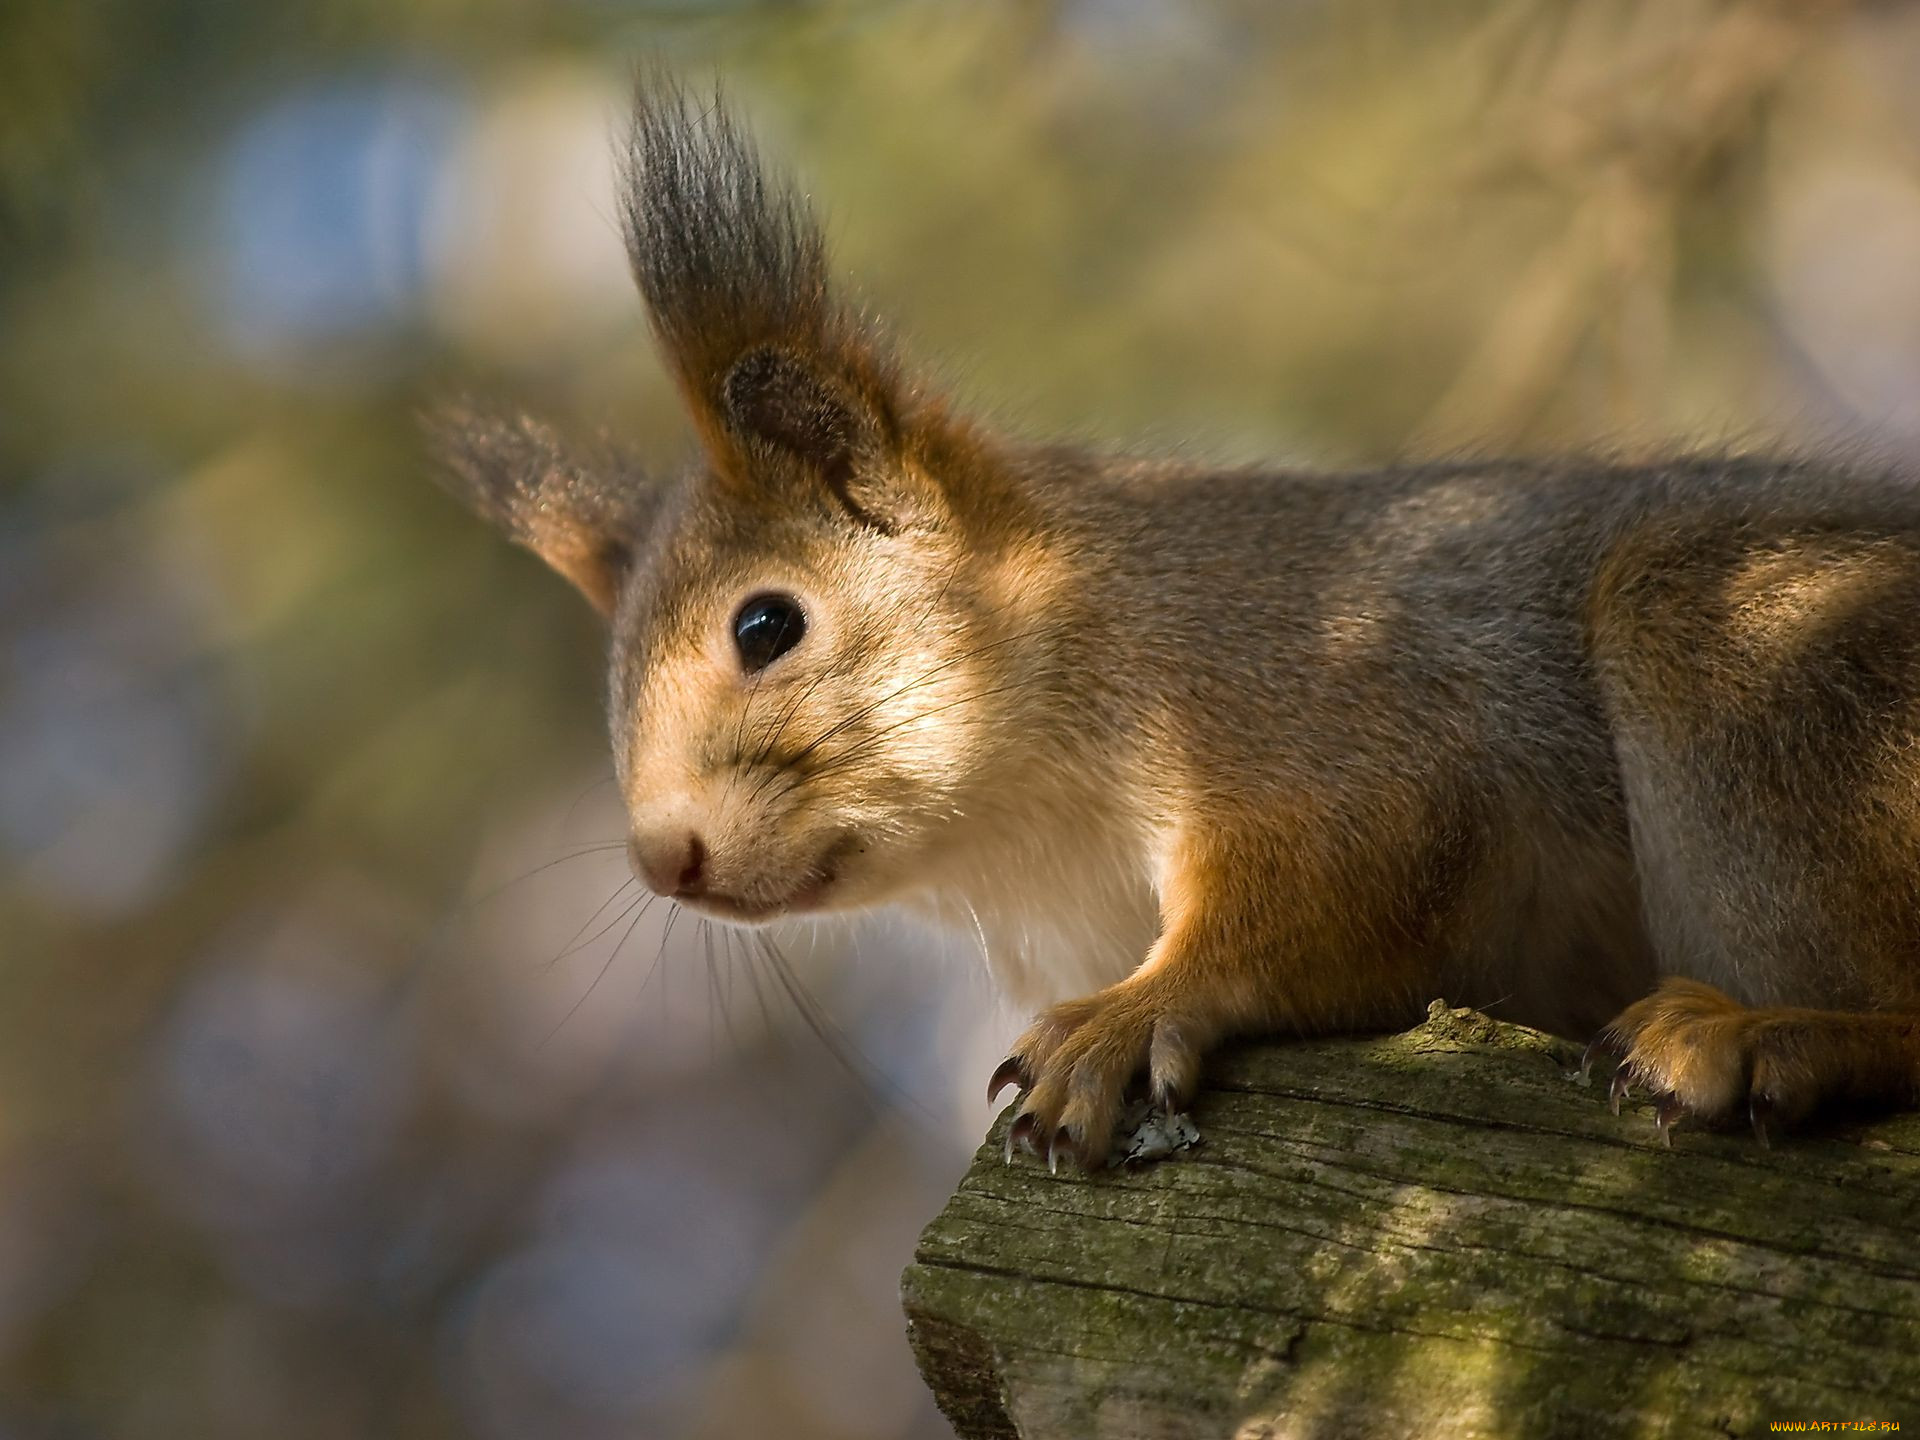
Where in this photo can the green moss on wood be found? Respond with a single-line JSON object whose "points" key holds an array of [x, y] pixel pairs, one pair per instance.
{"points": [[1433, 1233]]}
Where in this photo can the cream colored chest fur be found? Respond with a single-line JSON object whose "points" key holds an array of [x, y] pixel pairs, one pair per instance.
{"points": [[1059, 908]]}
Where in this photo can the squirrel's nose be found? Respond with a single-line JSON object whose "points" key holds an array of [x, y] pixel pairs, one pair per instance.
{"points": [[673, 865]]}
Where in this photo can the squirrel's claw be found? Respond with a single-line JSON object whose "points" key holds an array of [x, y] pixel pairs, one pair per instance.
{"points": [[1010, 1072], [1020, 1134], [1667, 1113], [1706, 1057], [1171, 1098], [1078, 1061], [1602, 1046], [1618, 1090], [1760, 1113]]}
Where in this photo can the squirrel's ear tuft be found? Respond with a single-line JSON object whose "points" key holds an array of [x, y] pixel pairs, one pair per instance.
{"points": [[585, 517], [733, 269], [727, 256]]}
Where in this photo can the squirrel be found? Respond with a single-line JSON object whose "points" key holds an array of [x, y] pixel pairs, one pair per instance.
{"points": [[1200, 753]]}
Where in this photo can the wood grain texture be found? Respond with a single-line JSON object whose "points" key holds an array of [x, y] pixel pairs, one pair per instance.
{"points": [[1434, 1234]]}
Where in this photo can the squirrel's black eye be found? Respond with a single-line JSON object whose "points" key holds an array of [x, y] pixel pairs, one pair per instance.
{"points": [[766, 628]]}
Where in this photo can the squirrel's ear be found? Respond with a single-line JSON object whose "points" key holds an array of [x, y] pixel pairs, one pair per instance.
{"points": [[781, 400], [734, 273], [585, 517]]}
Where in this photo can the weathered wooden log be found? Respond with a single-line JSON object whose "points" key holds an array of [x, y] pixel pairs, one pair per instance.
{"points": [[1434, 1234]]}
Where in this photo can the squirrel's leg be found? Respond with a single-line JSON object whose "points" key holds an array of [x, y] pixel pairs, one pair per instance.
{"points": [[1705, 1056], [1763, 688], [1235, 930]]}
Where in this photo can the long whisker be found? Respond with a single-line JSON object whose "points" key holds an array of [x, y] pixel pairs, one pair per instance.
{"points": [[574, 943], [659, 958], [842, 1051], [845, 661], [879, 1091], [713, 990], [865, 742], [986, 953], [666, 972], [581, 798], [925, 678], [918, 682], [497, 891], [772, 1031], [740, 727], [836, 763], [605, 966], [839, 665]]}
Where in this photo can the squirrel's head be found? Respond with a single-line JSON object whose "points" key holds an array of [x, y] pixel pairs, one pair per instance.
{"points": [[819, 630]]}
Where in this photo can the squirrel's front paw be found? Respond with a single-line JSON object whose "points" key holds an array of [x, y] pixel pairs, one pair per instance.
{"points": [[1705, 1056], [1075, 1062]]}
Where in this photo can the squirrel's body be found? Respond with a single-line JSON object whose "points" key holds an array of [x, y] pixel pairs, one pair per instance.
{"points": [[1200, 752], [1421, 608], [1471, 633]]}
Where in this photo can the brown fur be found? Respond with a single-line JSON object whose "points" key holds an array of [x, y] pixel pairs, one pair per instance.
{"points": [[1224, 752]]}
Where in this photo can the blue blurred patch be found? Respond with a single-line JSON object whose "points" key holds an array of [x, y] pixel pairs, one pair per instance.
{"points": [[321, 206]]}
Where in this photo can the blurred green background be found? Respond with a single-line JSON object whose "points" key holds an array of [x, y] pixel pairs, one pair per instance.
{"points": [[330, 1105]]}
